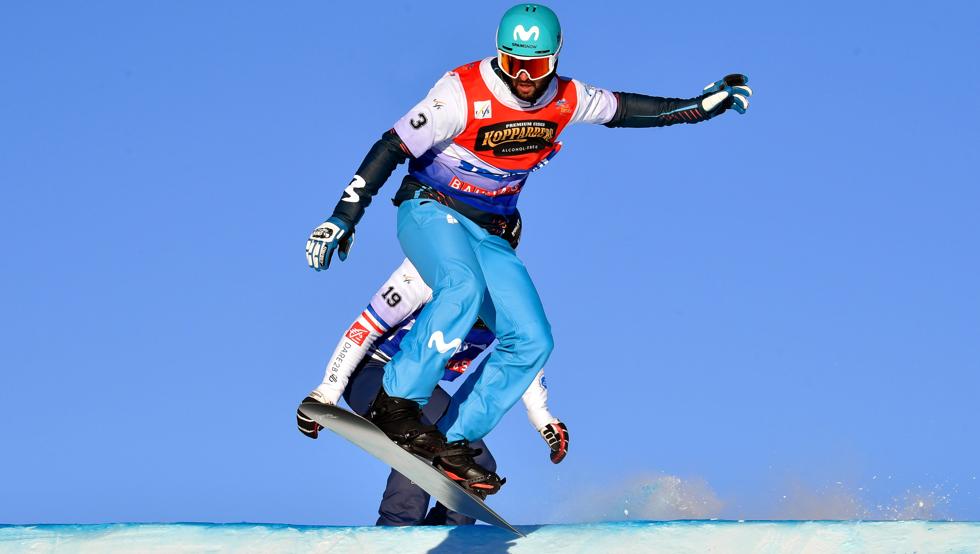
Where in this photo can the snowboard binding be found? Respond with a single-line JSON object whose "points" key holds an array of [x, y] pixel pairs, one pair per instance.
{"points": [[457, 462], [401, 420]]}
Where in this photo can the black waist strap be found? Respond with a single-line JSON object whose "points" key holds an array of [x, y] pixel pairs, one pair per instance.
{"points": [[507, 227]]}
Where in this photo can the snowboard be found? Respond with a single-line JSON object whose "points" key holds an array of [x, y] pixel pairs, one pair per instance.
{"points": [[365, 435]]}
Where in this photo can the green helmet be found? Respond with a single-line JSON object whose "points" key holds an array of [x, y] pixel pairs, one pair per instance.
{"points": [[529, 31]]}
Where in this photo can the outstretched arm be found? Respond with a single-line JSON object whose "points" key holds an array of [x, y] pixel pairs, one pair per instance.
{"points": [[439, 116], [640, 110], [402, 293], [535, 399], [385, 155], [337, 232], [548, 426], [400, 296], [356, 343]]}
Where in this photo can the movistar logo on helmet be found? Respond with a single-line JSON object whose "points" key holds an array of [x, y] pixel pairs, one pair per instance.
{"points": [[529, 31], [526, 34]]}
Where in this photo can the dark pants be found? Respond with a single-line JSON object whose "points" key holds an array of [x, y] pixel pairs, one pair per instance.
{"points": [[405, 503]]}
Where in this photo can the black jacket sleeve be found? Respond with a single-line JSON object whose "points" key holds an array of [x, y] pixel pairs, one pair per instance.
{"points": [[377, 166], [640, 110]]}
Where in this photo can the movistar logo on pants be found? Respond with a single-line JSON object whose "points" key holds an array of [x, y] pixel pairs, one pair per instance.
{"points": [[521, 34], [438, 341]]}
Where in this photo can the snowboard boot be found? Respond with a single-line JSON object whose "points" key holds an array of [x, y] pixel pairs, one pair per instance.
{"points": [[401, 420], [457, 462]]}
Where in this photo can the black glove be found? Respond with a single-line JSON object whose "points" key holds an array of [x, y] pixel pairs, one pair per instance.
{"points": [[556, 435], [332, 234], [732, 91], [306, 425]]}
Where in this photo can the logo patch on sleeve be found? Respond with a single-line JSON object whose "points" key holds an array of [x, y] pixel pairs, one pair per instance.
{"points": [[481, 109], [357, 333]]}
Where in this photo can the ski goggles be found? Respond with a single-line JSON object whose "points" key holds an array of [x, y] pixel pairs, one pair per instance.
{"points": [[535, 68]]}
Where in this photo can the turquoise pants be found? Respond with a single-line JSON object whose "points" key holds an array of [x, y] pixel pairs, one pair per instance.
{"points": [[472, 273]]}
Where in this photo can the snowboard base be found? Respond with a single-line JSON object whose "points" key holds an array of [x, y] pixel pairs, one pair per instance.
{"points": [[365, 435]]}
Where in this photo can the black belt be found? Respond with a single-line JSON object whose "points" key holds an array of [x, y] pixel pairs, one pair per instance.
{"points": [[507, 227]]}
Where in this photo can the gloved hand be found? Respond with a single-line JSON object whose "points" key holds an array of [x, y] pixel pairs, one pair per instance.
{"points": [[730, 92], [332, 234], [306, 425], [556, 435]]}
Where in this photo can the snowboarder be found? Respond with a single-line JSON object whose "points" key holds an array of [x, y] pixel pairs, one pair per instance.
{"points": [[471, 143], [355, 371]]}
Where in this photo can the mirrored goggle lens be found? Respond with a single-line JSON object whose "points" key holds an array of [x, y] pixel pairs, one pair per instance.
{"points": [[536, 68]]}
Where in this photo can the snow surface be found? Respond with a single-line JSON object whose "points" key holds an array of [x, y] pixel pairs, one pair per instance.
{"points": [[646, 537]]}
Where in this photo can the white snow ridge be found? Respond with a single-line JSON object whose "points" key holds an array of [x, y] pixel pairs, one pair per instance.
{"points": [[676, 537]]}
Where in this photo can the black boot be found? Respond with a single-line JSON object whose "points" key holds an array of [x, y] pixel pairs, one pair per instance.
{"points": [[401, 420], [456, 461]]}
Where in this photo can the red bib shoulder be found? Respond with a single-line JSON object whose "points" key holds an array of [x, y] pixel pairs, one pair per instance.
{"points": [[508, 138]]}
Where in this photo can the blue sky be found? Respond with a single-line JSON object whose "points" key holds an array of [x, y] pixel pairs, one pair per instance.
{"points": [[781, 306]]}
